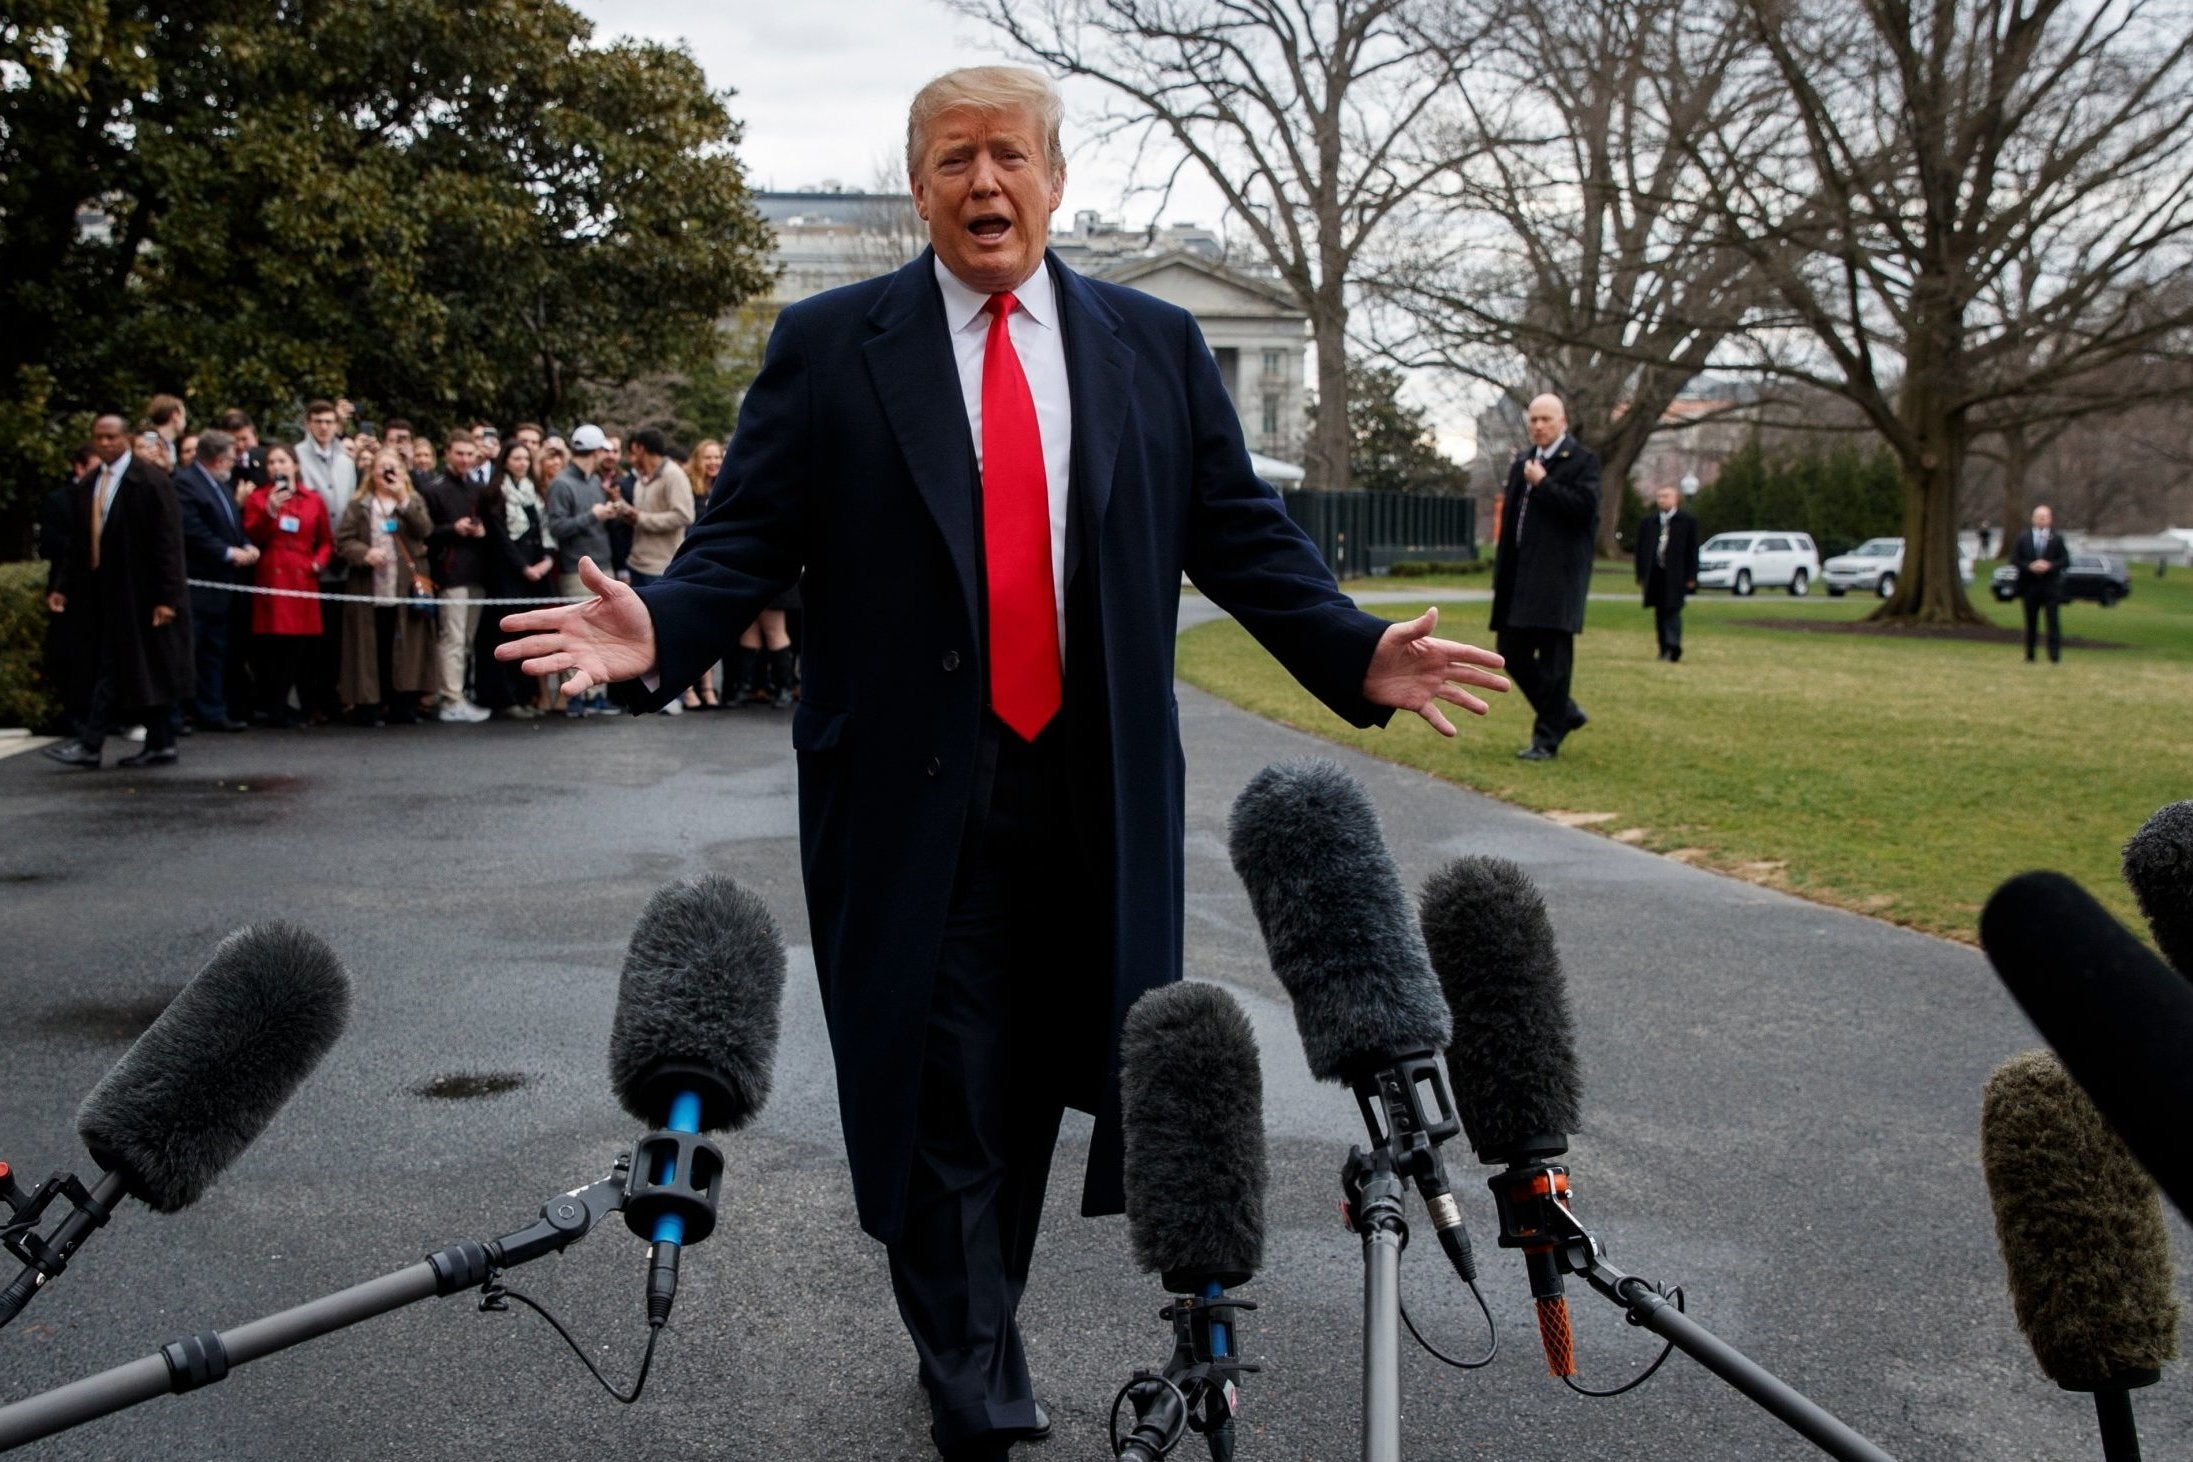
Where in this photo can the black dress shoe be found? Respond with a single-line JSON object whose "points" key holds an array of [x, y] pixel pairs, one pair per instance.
{"points": [[1535, 753], [164, 757], [1577, 720], [1041, 1431], [72, 754], [228, 726], [188, 728]]}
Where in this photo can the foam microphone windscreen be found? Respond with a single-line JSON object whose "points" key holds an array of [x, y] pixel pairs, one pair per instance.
{"points": [[1192, 1106], [2158, 863], [2121, 1019], [1512, 1062], [1339, 930], [2081, 1230], [697, 1005], [205, 1078]]}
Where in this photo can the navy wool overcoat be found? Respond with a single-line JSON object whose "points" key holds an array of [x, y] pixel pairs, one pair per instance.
{"points": [[853, 463]]}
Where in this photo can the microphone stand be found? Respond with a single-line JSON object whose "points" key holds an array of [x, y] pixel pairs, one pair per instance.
{"points": [[1535, 1217], [209, 1356], [1195, 1392], [1408, 1112]]}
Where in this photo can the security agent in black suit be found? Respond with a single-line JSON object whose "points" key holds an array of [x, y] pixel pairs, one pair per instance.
{"points": [[1542, 572], [2042, 558], [215, 550], [123, 583], [1667, 566]]}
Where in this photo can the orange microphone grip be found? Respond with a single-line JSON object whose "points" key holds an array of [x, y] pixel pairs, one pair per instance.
{"points": [[1553, 1330]]}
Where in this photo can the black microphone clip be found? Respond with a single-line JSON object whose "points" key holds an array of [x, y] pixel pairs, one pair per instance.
{"points": [[44, 1256], [1409, 1112], [1196, 1390]]}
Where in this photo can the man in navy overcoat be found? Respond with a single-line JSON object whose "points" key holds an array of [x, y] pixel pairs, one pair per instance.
{"points": [[989, 890]]}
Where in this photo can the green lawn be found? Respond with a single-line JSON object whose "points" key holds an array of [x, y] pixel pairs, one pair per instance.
{"points": [[1905, 778]]}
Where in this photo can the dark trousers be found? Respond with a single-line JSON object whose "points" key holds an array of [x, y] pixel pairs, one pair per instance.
{"points": [[105, 714], [1540, 662], [209, 648], [321, 670], [1667, 628], [990, 1099], [277, 661], [2035, 606]]}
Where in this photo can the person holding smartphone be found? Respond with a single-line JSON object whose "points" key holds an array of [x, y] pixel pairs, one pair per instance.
{"points": [[288, 524]]}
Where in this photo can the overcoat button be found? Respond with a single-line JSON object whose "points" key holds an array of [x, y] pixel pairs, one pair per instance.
{"points": [[934, 766], [951, 660]]}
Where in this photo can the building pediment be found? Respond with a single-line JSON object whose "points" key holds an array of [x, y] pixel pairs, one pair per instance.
{"points": [[1205, 288]]}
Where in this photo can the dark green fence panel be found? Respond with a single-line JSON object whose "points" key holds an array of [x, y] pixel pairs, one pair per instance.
{"points": [[1368, 532]]}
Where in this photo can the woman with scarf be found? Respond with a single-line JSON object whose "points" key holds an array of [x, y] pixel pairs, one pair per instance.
{"points": [[515, 564]]}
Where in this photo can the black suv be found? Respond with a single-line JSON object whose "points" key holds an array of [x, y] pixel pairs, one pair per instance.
{"points": [[2092, 576]]}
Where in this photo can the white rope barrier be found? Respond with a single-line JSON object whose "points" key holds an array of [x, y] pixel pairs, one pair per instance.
{"points": [[408, 601]]}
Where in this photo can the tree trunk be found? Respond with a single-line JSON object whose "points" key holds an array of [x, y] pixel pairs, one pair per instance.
{"points": [[1331, 439], [1931, 450], [2017, 460]]}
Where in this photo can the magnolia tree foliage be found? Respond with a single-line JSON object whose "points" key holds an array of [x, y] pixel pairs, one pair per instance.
{"points": [[439, 210]]}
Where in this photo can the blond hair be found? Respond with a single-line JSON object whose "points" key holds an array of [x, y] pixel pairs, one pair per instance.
{"points": [[987, 89]]}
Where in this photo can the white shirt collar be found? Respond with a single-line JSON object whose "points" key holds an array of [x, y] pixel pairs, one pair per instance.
{"points": [[118, 466], [963, 305]]}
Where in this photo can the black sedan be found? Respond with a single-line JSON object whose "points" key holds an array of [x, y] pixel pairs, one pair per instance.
{"points": [[2092, 576]]}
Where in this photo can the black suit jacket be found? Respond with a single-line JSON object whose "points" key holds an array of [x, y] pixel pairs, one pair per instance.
{"points": [[212, 525], [140, 566], [2041, 586], [1542, 576], [1667, 585], [852, 460]]}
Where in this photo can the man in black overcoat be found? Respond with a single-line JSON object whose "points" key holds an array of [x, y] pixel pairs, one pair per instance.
{"points": [[1667, 566], [215, 551], [124, 576], [1541, 576], [994, 472], [2042, 558]]}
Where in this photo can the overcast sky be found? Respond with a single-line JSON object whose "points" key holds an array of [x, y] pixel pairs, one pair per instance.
{"points": [[823, 87]]}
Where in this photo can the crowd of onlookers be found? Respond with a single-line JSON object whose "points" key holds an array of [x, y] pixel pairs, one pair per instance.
{"points": [[357, 573]]}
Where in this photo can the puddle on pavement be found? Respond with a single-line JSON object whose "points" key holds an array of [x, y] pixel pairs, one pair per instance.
{"points": [[467, 1086], [114, 1022]]}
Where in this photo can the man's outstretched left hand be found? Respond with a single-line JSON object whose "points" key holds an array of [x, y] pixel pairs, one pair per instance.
{"points": [[1411, 671]]}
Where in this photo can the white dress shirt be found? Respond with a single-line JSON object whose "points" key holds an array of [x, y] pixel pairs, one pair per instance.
{"points": [[110, 483], [1038, 341]]}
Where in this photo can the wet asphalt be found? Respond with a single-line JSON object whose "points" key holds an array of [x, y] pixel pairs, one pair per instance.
{"points": [[1781, 1114]]}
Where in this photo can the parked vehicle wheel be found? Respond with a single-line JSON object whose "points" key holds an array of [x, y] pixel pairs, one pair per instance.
{"points": [[1886, 587], [2004, 596], [1743, 583], [1799, 585]]}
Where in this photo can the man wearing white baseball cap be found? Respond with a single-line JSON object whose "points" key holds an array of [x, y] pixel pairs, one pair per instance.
{"points": [[578, 514]]}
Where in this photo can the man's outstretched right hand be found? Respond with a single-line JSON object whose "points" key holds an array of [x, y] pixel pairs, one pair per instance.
{"points": [[607, 638]]}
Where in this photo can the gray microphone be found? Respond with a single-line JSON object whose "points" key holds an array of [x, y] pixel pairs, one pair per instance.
{"points": [[196, 1089], [1192, 1108], [1344, 942], [2080, 1225], [691, 1050], [2158, 864]]}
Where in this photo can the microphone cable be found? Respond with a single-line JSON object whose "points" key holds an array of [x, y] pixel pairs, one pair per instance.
{"points": [[494, 1295], [1492, 1335]]}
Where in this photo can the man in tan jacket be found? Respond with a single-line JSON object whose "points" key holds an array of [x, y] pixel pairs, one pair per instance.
{"points": [[662, 500]]}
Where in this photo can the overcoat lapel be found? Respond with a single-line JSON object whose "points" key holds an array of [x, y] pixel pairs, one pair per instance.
{"points": [[916, 378], [1099, 371]]}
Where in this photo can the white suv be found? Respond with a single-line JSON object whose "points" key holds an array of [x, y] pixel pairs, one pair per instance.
{"points": [[1874, 565], [1743, 562]]}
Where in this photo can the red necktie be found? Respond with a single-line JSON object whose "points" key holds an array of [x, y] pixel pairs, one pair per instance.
{"points": [[1016, 539]]}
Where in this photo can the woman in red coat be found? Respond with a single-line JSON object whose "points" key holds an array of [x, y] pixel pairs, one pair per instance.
{"points": [[288, 522]]}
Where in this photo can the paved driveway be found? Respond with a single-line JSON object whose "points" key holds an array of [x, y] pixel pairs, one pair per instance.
{"points": [[1781, 1115]]}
